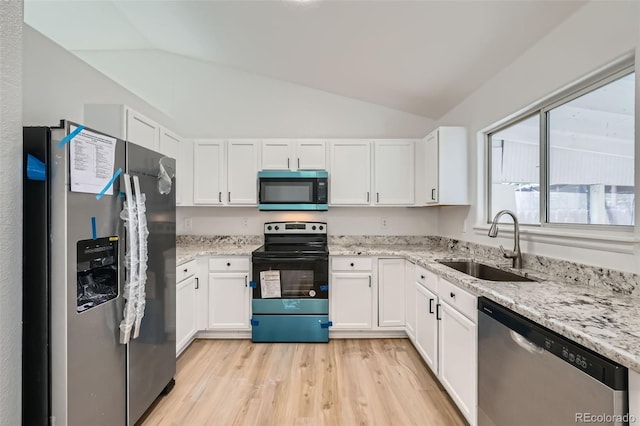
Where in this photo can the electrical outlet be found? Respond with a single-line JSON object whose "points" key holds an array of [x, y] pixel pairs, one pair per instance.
{"points": [[384, 222], [188, 223], [245, 222]]}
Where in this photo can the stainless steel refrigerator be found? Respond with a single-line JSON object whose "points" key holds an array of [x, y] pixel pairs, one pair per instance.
{"points": [[76, 370]]}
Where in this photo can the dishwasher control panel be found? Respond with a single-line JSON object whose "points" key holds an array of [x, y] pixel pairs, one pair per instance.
{"points": [[597, 366]]}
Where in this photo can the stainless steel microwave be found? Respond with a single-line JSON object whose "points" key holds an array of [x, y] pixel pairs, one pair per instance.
{"points": [[287, 190]]}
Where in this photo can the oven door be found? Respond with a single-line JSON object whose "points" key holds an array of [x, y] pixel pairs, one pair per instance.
{"points": [[303, 277]]}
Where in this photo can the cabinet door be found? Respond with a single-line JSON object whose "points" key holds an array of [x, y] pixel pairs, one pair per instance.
{"points": [[427, 326], [171, 145], [432, 163], [185, 312], [311, 155], [410, 299], [229, 301], [208, 172], [277, 154], [391, 292], [142, 131], [242, 172], [350, 173], [393, 172], [351, 299], [458, 359]]}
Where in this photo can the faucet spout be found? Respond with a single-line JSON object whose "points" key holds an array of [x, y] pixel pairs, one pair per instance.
{"points": [[516, 254]]}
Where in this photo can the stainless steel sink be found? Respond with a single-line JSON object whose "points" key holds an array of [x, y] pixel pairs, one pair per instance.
{"points": [[484, 272]]}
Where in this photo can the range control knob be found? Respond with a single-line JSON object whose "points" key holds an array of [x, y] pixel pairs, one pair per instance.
{"points": [[565, 353], [321, 227], [277, 227], [583, 364], [547, 344], [572, 357], [269, 227], [313, 227]]}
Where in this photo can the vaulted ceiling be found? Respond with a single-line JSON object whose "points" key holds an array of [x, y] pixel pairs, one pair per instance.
{"points": [[421, 57]]}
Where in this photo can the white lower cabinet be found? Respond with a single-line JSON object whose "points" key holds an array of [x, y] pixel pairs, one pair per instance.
{"points": [[391, 292], [458, 359], [229, 293], [186, 307], [351, 300], [410, 300], [426, 340]]}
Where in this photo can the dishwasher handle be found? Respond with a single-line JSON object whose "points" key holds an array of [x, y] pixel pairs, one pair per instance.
{"points": [[525, 343]]}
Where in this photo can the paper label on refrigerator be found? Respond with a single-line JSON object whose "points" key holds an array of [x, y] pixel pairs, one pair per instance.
{"points": [[270, 284], [91, 160]]}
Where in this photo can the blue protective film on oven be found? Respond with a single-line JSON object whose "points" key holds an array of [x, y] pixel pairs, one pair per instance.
{"points": [[252, 284], [291, 328], [36, 169], [324, 287], [290, 306]]}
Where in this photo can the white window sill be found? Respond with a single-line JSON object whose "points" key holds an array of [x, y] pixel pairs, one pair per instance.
{"points": [[619, 242]]}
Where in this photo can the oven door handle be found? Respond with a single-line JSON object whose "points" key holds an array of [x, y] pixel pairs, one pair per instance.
{"points": [[288, 259]]}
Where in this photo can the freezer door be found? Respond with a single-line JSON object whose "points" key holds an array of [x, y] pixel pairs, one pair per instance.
{"points": [[88, 363], [152, 355]]}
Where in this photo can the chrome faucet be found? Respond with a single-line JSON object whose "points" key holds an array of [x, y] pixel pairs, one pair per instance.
{"points": [[515, 255]]}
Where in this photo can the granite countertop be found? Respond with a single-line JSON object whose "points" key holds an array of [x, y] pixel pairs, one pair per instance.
{"points": [[600, 319], [595, 307]]}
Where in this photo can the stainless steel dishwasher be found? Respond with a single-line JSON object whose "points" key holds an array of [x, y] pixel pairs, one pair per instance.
{"points": [[531, 376]]}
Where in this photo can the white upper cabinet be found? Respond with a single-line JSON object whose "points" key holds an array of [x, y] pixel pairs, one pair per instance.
{"points": [[209, 171], [124, 123], [350, 172], [441, 168], [292, 154], [311, 155], [277, 154], [173, 146], [393, 172], [242, 172]]}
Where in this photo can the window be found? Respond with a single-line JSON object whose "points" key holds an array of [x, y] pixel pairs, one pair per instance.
{"points": [[570, 162]]}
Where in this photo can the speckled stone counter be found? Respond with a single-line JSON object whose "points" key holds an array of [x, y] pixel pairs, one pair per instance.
{"points": [[190, 246], [598, 316]]}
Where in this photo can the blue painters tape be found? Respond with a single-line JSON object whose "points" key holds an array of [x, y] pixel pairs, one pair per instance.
{"points": [[326, 324], [70, 136], [324, 287], [121, 194], [94, 232], [108, 185], [36, 169], [255, 322], [252, 284]]}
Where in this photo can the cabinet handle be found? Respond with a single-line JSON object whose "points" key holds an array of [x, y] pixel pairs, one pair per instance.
{"points": [[452, 294], [369, 281], [431, 305], [433, 194], [287, 163], [197, 283], [220, 197], [298, 163], [228, 263], [367, 196], [377, 197], [186, 270], [438, 312], [422, 277], [229, 196], [352, 265], [246, 280]]}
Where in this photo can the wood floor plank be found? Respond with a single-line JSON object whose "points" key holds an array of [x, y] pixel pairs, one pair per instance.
{"points": [[344, 382]]}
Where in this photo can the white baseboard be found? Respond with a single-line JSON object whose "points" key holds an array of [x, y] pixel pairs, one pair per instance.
{"points": [[367, 334], [224, 334]]}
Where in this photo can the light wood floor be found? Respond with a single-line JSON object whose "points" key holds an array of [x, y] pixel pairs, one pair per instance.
{"points": [[344, 382]]}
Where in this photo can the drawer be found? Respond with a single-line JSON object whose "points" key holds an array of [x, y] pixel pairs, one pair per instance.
{"points": [[461, 300], [185, 270], [233, 263], [341, 263], [427, 279]]}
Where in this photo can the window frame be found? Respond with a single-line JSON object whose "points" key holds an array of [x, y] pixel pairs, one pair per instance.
{"points": [[541, 109]]}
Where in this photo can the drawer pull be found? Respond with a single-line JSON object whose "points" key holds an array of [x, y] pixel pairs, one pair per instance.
{"points": [[197, 283], [228, 263], [422, 277], [352, 264], [452, 294], [185, 270]]}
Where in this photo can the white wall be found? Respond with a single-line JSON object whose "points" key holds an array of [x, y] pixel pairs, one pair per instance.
{"points": [[57, 84], [10, 212], [209, 100], [595, 35], [340, 220]]}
